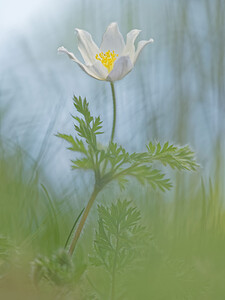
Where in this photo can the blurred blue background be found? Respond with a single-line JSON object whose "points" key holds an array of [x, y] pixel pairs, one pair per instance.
{"points": [[176, 91]]}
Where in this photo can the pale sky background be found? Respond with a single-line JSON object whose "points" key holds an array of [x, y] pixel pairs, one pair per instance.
{"points": [[17, 15], [160, 94]]}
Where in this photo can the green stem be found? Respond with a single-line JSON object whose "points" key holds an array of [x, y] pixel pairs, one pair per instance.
{"points": [[83, 219], [114, 111], [114, 121]]}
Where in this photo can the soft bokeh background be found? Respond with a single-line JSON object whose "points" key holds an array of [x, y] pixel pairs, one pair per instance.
{"points": [[176, 92]]}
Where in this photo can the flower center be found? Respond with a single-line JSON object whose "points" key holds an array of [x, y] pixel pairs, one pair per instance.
{"points": [[107, 59]]}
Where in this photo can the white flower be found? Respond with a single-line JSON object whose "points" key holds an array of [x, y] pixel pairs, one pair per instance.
{"points": [[114, 59]]}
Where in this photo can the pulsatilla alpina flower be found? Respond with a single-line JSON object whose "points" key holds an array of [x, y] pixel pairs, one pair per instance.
{"points": [[114, 59]]}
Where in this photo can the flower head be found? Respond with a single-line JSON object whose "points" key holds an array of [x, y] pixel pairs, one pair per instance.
{"points": [[114, 59]]}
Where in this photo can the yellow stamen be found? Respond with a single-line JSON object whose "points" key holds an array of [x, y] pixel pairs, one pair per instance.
{"points": [[107, 59]]}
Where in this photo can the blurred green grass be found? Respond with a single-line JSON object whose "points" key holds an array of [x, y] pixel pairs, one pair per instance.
{"points": [[183, 260], [185, 257]]}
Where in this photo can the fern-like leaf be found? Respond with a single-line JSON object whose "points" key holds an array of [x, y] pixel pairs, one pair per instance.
{"points": [[176, 157]]}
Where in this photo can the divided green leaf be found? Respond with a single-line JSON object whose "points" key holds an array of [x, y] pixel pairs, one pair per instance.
{"points": [[114, 162]]}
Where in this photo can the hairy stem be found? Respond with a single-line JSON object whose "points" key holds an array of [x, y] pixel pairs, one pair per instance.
{"points": [[83, 219], [114, 111]]}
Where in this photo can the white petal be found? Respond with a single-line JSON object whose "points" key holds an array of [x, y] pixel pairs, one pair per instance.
{"points": [[70, 54], [96, 70], [86, 46], [140, 46], [99, 70], [130, 48], [122, 66], [112, 40]]}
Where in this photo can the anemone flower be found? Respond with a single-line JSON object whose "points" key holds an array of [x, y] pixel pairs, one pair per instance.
{"points": [[113, 59]]}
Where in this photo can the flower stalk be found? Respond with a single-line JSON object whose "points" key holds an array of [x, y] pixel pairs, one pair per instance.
{"points": [[83, 219], [114, 111]]}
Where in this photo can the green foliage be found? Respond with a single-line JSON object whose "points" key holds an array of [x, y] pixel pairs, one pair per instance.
{"points": [[57, 269], [176, 157], [88, 127], [115, 163], [118, 237], [185, 259]]}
